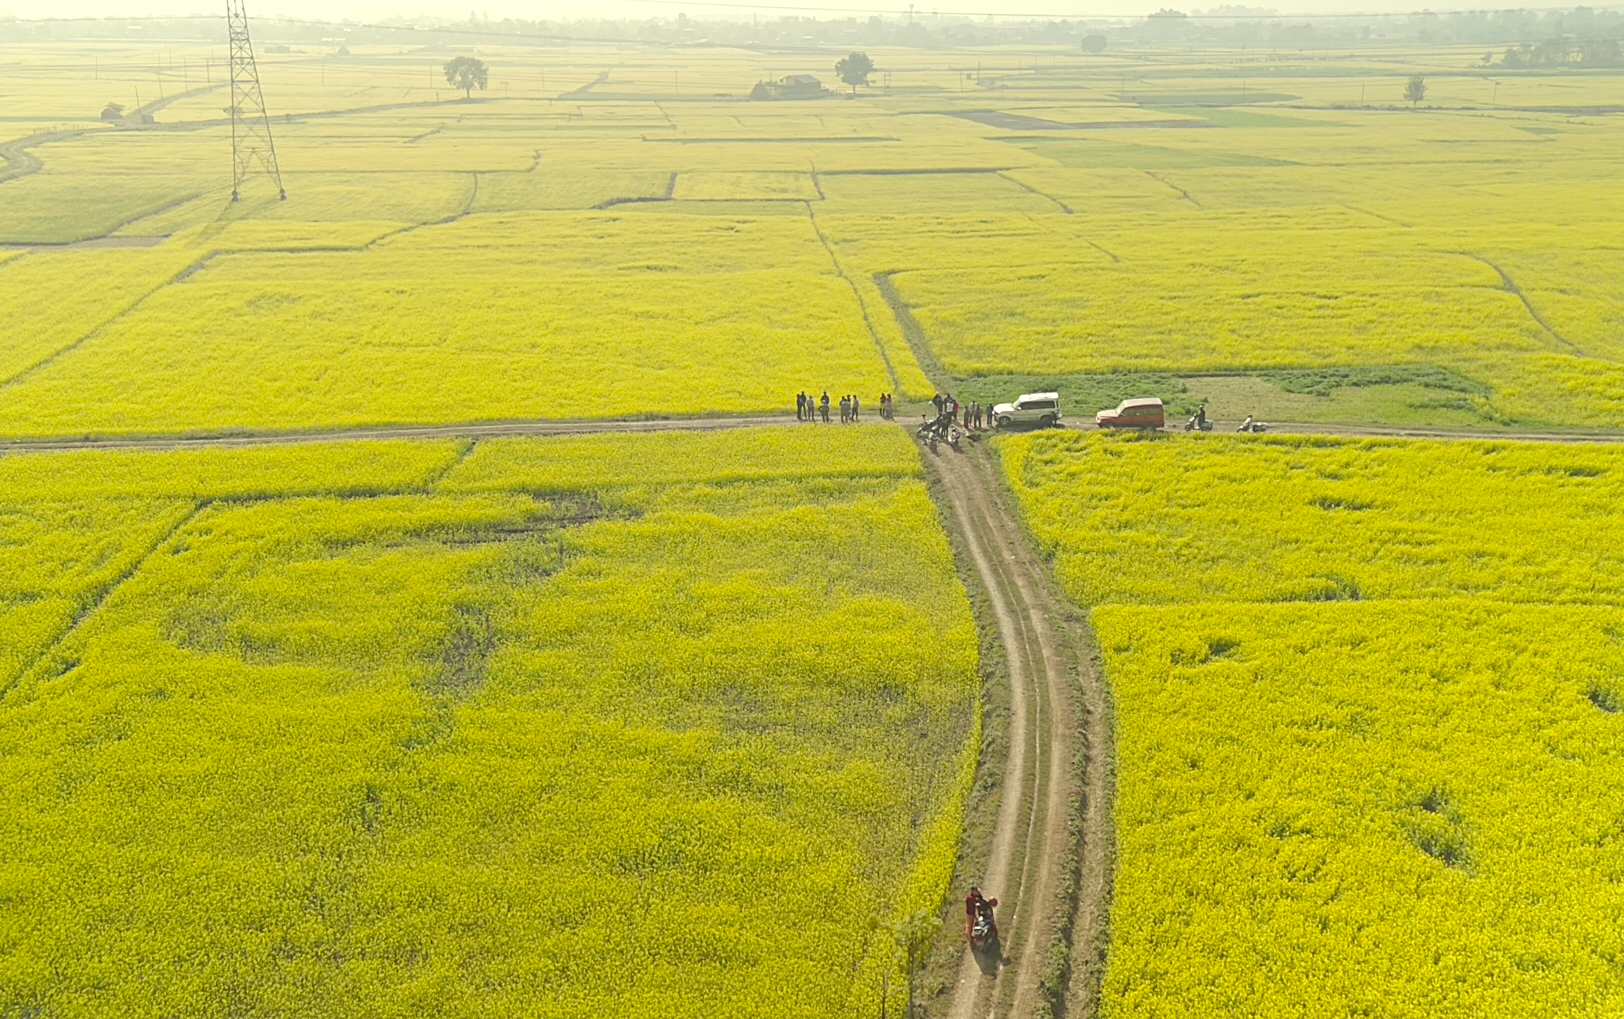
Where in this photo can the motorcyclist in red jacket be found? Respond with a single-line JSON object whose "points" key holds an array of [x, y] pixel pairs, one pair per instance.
{"points": [[974, 906]]}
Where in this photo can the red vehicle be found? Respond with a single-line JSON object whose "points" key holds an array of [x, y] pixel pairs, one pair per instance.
{"points": [[979, 925], [1140, 412]]}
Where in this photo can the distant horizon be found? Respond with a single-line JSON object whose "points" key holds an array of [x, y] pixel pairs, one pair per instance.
{"points": [[712, 10]]}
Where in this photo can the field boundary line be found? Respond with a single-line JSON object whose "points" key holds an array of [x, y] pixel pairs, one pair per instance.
{"points": [[432, 481], [99, 595], [1023, 185], [840, 270], [1510, 287], [97, 330], [1181, 192], [912, 331]]}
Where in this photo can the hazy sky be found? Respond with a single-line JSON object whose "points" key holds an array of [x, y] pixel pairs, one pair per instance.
{"points": [[362, 10]]}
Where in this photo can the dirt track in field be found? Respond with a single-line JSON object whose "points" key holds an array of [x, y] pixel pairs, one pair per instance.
{"points": [[1049, 869]]}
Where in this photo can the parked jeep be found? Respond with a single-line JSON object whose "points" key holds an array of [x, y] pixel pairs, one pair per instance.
{"points": [[1042, 409], [1140, 412]]}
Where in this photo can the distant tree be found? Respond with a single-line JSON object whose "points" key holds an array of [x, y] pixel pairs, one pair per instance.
{"points": [[1167, 22], [466, 73], [1416, 89], [760, 91], [854, 70], [1093, 44], [1601, 52]]}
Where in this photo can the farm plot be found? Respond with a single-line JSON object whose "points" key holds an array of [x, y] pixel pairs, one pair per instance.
{"points": [[474, 320], [1366, 699], [548, 736], [54, 299]]}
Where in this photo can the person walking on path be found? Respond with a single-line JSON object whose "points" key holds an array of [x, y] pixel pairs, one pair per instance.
{"points": [[825, 406]]}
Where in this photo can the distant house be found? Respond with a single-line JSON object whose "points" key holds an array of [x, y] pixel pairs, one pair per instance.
{"points": [[795, 86]]}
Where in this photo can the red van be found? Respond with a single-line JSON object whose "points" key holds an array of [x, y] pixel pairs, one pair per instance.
{"points": [[1139, 412]]}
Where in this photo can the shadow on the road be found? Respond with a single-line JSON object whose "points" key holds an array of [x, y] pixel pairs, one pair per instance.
{"points": [[989, 958]]}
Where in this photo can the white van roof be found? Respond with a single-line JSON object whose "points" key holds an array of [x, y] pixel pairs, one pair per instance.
{"points": [[1037, 396]]}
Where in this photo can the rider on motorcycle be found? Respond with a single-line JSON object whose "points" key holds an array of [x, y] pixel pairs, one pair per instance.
{"points": [[975, 906]]}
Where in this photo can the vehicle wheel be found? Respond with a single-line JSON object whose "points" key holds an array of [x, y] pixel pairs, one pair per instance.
{"points": [[1048, 421], [1003, 422]]}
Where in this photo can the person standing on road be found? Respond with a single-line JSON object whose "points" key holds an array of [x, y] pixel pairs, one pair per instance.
{"points": [[854, 406], [800, 406], [825, 406], [936, 401]]}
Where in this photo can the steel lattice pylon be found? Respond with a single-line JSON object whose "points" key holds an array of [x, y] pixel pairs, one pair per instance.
{"points": [[250, 124]]}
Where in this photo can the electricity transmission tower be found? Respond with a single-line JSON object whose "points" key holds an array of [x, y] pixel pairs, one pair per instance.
{"points": [[250, 124]]}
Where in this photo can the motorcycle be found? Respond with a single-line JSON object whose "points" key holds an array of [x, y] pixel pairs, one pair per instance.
{"points": [[984, 930], [1198, 423], [1253, 425]]}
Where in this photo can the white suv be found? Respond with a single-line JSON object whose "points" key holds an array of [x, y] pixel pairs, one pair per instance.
{"points": [[1042, 409]]}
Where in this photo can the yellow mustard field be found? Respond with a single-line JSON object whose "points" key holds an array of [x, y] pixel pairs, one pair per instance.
{"points": [[1367, 716], [541, 726], [600, 237]]}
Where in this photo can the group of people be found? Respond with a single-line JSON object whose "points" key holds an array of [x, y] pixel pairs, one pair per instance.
{"points": [[968, 415], [812, 408]]}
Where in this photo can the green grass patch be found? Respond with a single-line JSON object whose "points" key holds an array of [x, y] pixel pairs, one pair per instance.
{"points": [[1323, 381], [1391, 395]]}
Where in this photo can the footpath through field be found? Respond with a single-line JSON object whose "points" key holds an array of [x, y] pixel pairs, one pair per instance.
{"points": [[554, 426]]}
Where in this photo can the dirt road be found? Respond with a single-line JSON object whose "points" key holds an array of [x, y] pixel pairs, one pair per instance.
{"points": [[1048, 868]]}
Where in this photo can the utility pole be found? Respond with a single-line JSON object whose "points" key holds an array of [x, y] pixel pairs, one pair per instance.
{"points": [[250, 124]]}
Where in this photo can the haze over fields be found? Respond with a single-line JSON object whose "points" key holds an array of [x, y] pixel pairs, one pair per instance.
{"points": [[426, 592]]}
